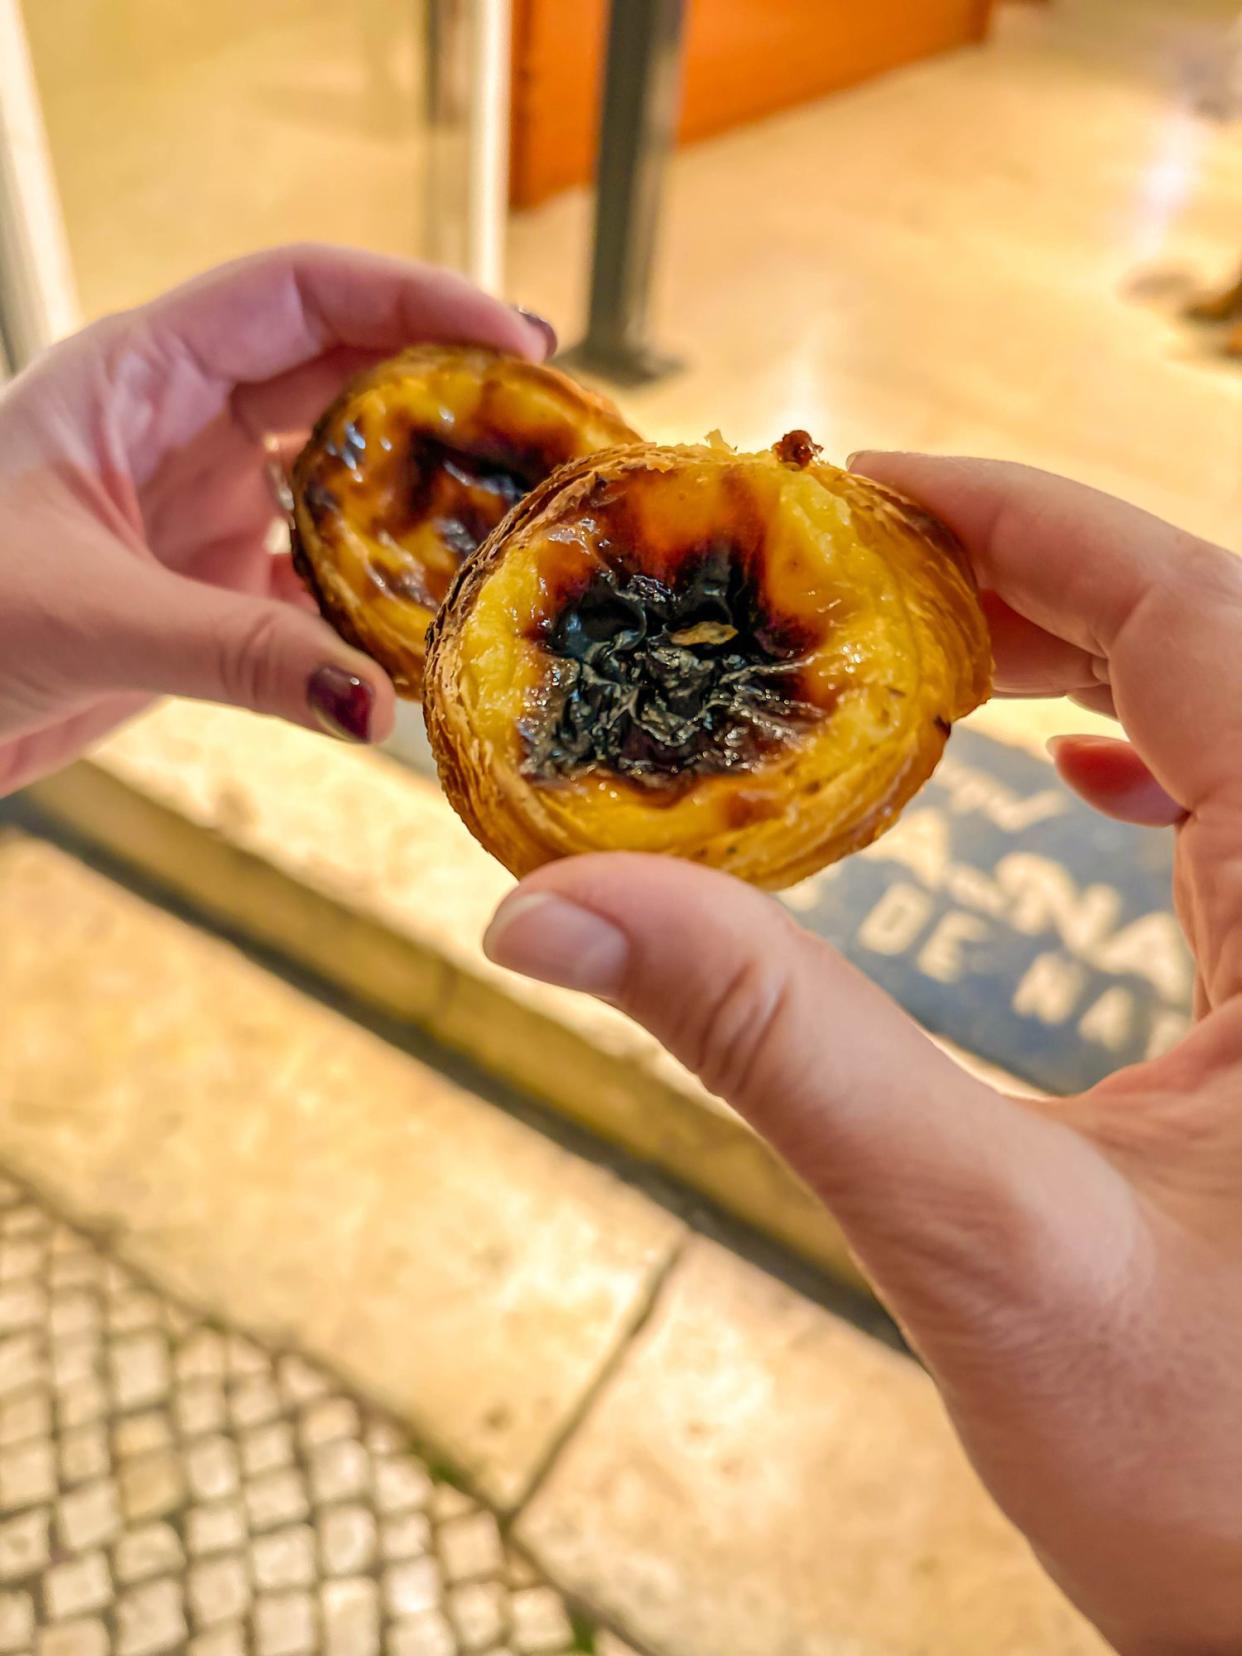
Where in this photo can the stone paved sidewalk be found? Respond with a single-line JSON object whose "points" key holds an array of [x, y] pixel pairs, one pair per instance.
{"points": [[702, 1459], [166, 1484]]}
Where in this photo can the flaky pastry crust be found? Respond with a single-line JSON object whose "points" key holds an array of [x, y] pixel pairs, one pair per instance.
{"points": [[748, 660], [407, 472]]}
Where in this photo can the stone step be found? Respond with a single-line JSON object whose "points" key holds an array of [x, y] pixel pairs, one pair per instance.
{"points": [[298, 1339]]}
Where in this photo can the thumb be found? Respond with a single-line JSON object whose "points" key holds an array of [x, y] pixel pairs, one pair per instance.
{"points": [[186, 638], [937, 1180]]}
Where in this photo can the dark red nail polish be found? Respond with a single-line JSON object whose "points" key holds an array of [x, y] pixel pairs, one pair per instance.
{"points": [[542, 323], [342, 703]]}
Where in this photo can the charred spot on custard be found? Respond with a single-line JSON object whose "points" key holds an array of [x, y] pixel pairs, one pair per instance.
{"points": [[797, 448], [398, 479], [321, 503], [659, 681], [462, 496]]}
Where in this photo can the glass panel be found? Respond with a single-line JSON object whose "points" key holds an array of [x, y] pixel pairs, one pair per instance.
{"points": [[182, 135], [185, 134]]}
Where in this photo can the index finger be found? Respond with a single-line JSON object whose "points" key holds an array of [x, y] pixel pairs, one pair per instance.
{"points": [[1064, 556], [1157, 611], [262, 316]]}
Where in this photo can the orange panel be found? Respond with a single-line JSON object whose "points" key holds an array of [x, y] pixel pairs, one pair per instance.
{"points": [[744, 59]]}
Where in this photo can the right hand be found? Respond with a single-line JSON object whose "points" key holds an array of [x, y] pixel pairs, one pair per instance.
{"points": [[1070, 1270]]}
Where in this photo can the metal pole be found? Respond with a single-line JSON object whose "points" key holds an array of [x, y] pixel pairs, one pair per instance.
{"points": [[37, 299], [444, 228], [487, 190], [638, 123], [467, 114]]}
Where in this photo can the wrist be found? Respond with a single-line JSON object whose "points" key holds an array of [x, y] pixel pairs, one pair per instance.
{"points": [[1179, 1601]]}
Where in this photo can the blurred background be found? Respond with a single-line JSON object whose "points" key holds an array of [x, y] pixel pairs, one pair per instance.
{"points": [[637, 1396], [883, 257]]}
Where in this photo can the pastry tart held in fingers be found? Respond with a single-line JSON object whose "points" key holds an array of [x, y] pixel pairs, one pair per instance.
{"points": [[748, 660], [411, 468]]}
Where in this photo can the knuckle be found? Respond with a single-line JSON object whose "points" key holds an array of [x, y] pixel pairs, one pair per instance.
{"points": [[13, 763], [249, 670], [729, 1041], [1208, 567]]}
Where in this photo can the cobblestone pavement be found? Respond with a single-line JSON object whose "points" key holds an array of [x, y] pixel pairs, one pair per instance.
{"points": [[166, 1484]]}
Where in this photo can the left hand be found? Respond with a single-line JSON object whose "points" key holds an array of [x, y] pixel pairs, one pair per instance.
{"points": [[135, 505]]}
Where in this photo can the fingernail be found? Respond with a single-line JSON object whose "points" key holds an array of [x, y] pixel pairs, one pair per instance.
{"points": [[545, 937], [544, 326], [858, 454], [342, 703]]}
